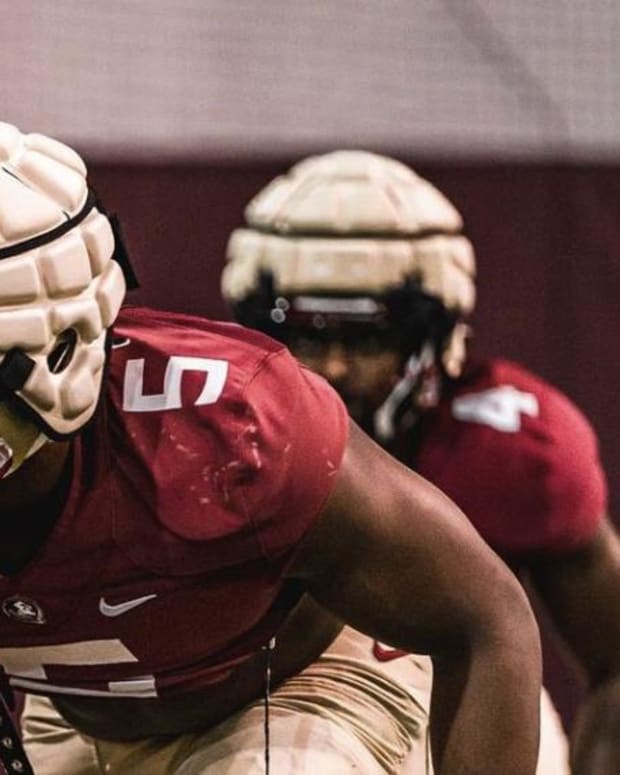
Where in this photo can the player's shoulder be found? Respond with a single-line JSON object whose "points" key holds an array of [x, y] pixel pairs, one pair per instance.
{"points": [[482, 373], [161, 334], [519, 456], [198, 361], [213, 413], [513, 401]]}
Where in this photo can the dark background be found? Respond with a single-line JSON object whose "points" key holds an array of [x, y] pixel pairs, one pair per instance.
{"points": [[546, 236]]}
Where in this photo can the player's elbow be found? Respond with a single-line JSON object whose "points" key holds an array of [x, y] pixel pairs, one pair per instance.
{"points": [[508, 629], [496, 624]]}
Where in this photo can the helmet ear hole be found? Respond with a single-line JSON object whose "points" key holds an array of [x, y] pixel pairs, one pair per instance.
{"points": [[62, 353]]}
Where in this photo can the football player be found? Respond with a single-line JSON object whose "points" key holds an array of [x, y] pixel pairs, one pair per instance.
{"points": [[360, 266], [188, 515]]}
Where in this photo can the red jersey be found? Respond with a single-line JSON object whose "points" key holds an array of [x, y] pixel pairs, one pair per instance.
{"points": [[209, 458], [518, 457]]}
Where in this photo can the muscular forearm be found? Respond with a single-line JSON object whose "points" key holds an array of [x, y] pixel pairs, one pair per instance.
{"points": [[401, 563], [595, 742], [493, 703]]}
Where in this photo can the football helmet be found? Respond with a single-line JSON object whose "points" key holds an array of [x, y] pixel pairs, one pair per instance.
{"points": [[351, 238], [60, 290]]}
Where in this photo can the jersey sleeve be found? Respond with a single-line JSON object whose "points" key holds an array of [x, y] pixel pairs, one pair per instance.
{"points": [[295, 436], [233, 460], [573, 492], [522, 462]]}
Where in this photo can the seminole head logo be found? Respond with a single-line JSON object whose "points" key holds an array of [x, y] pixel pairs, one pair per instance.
{"points": [[23, 609]]}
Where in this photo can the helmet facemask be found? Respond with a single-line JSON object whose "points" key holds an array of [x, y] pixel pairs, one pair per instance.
{"points": [[404, 319]]}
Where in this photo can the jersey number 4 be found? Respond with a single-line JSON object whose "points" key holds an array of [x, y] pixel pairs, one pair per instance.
{"points": [[134, 399], [501, 408]]}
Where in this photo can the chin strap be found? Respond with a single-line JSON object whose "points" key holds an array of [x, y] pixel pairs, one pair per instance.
{"points": [[416, 369], [12, 755]]}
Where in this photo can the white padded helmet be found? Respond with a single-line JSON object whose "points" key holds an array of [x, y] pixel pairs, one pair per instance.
{"points": [[351, 224], [60, 287]]}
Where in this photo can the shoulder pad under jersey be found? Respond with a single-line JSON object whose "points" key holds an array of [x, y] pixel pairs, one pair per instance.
{"points": [[519, 458], [227, 438]]}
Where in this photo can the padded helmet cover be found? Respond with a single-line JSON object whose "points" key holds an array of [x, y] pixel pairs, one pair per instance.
{"points": [[354, 223], [59, 282]]}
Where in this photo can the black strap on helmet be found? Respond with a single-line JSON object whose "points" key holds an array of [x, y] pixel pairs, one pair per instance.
{"points": [[15, 369], [120, 255], [52, 234]]}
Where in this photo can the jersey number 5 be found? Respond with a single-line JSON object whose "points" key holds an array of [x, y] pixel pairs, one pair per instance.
{"points": [[134, 399]]}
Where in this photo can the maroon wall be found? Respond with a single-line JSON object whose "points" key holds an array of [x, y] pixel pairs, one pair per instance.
{"points": [[547, 240]]}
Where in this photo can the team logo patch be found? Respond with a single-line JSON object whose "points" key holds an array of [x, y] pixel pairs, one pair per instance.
{"points": [[23, 609]]}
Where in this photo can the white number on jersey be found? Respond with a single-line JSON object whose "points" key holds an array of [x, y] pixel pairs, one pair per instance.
{"points": [[501, 408], [26, 667], [134, 399]]}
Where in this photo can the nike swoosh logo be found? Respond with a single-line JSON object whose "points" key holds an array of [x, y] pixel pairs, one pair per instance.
{"points": [[121, 608]]}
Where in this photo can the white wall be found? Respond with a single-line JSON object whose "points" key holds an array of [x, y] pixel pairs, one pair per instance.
{"points": [[267, 77]]}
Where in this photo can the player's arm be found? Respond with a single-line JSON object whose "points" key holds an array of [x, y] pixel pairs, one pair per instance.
{"points": [[581, 590], [396, 559]]}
